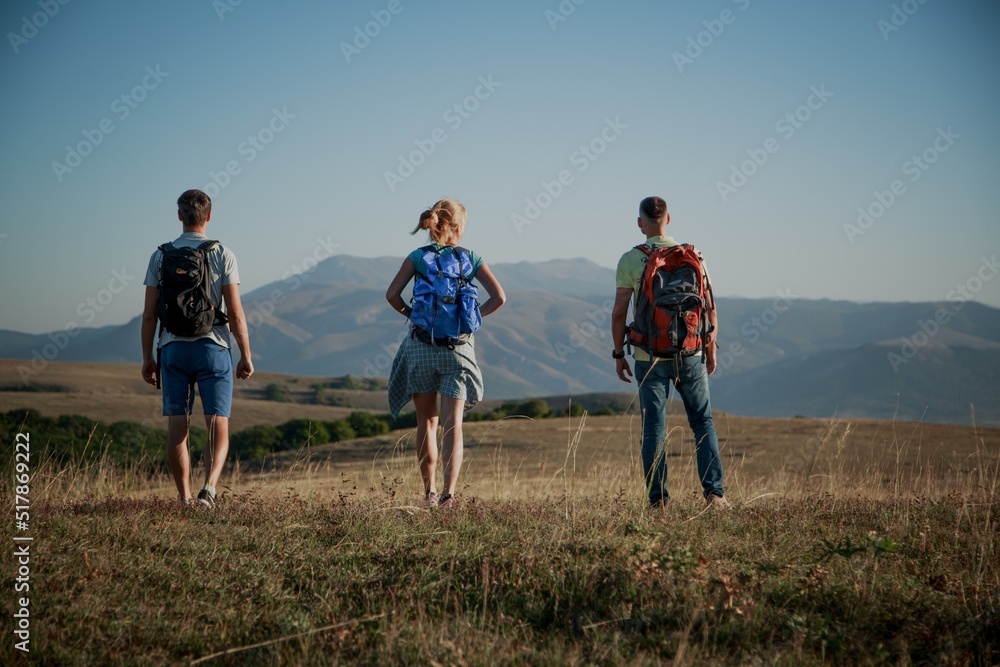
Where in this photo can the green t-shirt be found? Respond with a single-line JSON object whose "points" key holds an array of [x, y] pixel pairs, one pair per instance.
{"points": [[633, 263]]}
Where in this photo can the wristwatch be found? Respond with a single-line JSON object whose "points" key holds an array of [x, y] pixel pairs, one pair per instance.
{"points": [[617, 355]]}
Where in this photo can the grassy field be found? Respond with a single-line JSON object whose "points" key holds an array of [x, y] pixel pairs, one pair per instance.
{"points": [[115, 392], [851, 543]]}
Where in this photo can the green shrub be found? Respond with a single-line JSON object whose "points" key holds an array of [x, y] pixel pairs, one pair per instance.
{"points": [[535, 409], [406, 420], [300, 432], [255, 442], [339, 430], [366, 424], [275, 392]]}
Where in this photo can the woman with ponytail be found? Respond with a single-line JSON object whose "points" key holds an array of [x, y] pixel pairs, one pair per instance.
{"points": [[439, 356]]}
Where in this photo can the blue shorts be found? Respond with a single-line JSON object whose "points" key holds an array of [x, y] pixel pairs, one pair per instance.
{"points": [[185, 363]]}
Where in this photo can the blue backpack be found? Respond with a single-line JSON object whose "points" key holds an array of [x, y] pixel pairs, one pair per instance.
{"points": [[445, 302]]}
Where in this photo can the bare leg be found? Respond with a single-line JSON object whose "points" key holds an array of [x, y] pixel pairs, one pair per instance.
{"points": [[178, 455], [452, 411], [217, 448], [427, 422]]}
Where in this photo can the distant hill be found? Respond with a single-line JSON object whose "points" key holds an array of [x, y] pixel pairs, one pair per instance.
{"points": [[778, 357], [572, 277], [940, 384], [808, 326]]}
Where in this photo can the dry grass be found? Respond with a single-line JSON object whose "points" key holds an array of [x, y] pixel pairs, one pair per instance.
{"points": [[852, 543], [518, 457], [276, 576]]}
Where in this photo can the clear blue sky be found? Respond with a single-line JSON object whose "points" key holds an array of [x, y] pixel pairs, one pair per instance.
{"points": [[198, 81]]}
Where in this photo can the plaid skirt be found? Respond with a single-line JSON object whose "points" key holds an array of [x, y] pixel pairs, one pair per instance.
{"points": [[422, 368]]}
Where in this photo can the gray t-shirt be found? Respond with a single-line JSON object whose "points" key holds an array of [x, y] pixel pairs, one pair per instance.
{"points": [[222, 263]]}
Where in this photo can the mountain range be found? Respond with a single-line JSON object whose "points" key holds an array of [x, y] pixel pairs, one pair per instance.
{"points": [[783, 356]]}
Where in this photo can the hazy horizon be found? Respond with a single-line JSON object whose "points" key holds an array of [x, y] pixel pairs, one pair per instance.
{"points": [[297, 280]]}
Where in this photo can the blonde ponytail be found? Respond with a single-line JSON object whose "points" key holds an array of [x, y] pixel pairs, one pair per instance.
{"points": [[445, 221]]}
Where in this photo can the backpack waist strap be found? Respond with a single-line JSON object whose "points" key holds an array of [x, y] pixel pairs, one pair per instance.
{"points": [[424, 336]]}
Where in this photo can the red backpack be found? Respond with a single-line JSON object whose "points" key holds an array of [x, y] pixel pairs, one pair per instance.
{"points": [[672, 306]]}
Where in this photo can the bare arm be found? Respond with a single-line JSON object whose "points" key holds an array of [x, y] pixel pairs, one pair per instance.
{"points": [[713, 321], [710, 345], [493, 288], [238, 326], [148, 333], [394, 293], [619, 330]]}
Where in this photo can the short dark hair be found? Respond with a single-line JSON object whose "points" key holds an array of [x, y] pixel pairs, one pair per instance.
{"points": [[194, 207], [653, 208]]}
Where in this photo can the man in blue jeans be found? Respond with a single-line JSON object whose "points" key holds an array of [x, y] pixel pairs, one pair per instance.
{"points": [[688, 374], [205, 361]]}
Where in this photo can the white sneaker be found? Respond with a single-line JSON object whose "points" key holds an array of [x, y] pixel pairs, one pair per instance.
{"points": [[207, 499]]}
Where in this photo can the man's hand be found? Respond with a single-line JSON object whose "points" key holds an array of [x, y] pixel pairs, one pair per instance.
{"points": [[710, 358], [244, 369], [619, 332], [149, 371], [623, 369]]}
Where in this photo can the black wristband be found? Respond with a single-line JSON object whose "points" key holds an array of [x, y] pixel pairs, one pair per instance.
{"points": [[617, 355]]}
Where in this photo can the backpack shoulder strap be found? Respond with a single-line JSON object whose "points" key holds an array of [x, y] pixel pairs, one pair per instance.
{"points": [[644, 248], [468, 254], [429, 249], [424, 250], [709, 293], [207, 246]]}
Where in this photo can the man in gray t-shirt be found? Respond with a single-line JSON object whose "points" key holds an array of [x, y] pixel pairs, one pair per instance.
{"points": [[182, 363]]}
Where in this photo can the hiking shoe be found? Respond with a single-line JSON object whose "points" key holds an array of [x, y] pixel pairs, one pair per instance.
{"points": [[447, 501], [430, 499], [717, 502], [188, 502], [207, 499], [661, 504]]}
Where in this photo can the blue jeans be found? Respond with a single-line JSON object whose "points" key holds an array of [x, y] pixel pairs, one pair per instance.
{"points": [[654, 389]]}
